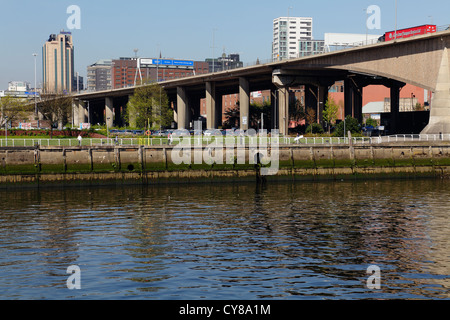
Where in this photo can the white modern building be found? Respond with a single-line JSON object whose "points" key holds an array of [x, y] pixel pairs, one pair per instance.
{"points": [[18, 86], [18, 89], [287, 34]]}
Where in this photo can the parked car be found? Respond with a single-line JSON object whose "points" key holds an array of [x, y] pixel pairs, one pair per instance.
{"points": [[212, 132], [181, 133], [161, 133]]}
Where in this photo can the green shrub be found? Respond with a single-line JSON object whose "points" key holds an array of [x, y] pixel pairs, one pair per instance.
{"points": [[351, 124], [316, 129]]}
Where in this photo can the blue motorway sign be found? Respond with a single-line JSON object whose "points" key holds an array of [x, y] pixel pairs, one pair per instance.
{"points": [[165, 62]]}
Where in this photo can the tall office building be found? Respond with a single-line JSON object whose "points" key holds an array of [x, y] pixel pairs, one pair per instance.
{"points": [[223, 63], [287, 34], [99, 75], [58, 63]]}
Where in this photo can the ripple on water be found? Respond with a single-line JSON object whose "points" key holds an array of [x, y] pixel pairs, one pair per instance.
{"points": [[228, 241]]}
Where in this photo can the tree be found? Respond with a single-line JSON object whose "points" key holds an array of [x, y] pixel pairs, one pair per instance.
{"points": [[330, 114], [13, 109], [56, 107], [315, 128], [256, 109], [296, 111], [310, 117], [351, 124], [232, 116], [149, 107], [371, 122]]}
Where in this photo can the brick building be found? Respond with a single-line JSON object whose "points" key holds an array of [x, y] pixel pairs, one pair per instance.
{"points": [[126, 73]]}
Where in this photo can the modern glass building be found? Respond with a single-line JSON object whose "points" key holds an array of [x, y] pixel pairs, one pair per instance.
{"points": [[311, 47], [99, 75]]}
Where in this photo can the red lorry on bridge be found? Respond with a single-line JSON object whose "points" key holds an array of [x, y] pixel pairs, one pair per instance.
{"points": [[409, 32]]}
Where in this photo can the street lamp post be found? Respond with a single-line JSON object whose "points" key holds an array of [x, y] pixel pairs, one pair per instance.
{"points": [[345, 135], [213, 47], [107, 129], [396, 8], [367, 27], [35, 87], [6, 131]]}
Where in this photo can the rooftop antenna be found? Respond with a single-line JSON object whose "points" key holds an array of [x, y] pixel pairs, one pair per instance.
{"points": [[138, 69], [224, 56], [213, 47]]}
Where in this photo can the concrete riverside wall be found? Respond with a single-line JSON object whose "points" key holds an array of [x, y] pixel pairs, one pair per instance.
{"points": [[151, 165]]}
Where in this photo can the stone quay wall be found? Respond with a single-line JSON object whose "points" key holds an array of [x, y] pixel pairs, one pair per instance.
{"points": [[152, 165]]}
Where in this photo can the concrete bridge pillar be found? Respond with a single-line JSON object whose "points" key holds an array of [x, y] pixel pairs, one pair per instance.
{"points": [[310, 98], [211, 116], [41, 115], [76, 118], [322, 94], [440, 102], [274, 109], [182, 108], [244, 102], [316, 97], [82, 112], [348, 98], [218, 120], [283, 110], [353, 99], [109, 112], [395, 109]]}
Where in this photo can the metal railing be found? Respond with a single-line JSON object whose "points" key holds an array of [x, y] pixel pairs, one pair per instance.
{"points": [[415, 138], [17, 142]]}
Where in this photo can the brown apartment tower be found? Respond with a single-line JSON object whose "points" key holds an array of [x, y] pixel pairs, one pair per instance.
{"points": [[58, 63]]}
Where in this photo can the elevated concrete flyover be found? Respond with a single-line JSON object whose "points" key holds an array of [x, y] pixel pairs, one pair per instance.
{"points": [[186, 93], [422, 61]]}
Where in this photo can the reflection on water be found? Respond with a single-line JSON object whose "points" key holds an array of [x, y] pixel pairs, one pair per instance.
{"points": [[228, 241]]}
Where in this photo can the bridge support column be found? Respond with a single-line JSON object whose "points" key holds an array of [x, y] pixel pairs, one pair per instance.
{"points": [[182, 108], [283, 111], [353, 95], [348, 98], [322, 93], [76, 118], [109, 112], [440, 102], [274, 105], [395, 109], [211, 116], [40, 115], [244, 103], [82, 111], [316, 97], [311, 101]]}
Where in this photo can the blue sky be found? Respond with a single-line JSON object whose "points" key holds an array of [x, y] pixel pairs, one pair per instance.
{"points": [[182, 29]]}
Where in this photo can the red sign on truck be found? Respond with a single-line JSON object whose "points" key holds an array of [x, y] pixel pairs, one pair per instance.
{"points": [[410, 32]]}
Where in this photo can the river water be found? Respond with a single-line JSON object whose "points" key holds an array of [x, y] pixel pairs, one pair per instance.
{"points": [[280, 241]]}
